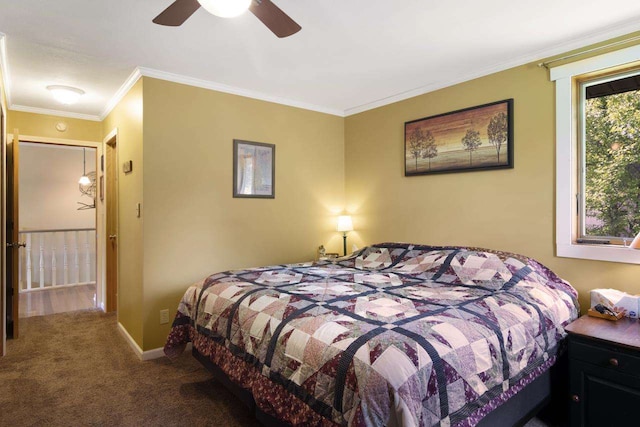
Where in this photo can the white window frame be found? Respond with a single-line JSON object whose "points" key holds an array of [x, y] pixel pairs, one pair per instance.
{"points": [[567, 157]]}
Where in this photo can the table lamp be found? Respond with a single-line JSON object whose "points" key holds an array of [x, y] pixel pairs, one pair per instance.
{"points": [[636, 242], [344, 225]]}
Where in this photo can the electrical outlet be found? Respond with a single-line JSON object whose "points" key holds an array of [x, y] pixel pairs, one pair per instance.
{"points": [[164, 316]]}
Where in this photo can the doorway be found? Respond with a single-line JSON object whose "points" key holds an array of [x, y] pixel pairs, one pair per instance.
{"points": [[100, 239], [57, 217]]}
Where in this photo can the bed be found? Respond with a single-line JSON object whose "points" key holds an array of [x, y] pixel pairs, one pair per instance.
{"points": [[395, 334]]}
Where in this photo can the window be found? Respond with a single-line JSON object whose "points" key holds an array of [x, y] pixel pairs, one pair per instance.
{"points": [[598, 156], [609, 156]]}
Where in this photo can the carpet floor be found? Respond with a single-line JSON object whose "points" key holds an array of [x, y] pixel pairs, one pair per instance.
{"points": [[75, 369]]}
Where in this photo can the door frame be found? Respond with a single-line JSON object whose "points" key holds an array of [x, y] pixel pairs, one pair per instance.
{"points": [[3, 231], [112, 137], [100, 222]]}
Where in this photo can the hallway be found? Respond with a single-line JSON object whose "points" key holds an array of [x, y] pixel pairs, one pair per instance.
{"points": [[57, 269]]}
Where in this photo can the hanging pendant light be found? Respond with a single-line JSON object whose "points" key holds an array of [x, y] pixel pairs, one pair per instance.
{"points": [[84, 179]]}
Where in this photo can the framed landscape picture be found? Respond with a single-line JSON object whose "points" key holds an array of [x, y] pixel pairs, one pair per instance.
{"points": [[476, 138], [254, 168]]}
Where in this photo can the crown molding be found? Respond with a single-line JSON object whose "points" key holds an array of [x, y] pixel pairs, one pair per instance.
{"points": [[121, 92], [4, 67], [219, 87], [597, 37], [58, 113]]}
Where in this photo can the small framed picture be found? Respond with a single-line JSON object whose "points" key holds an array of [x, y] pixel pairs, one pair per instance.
{"points": [[254, 168]]}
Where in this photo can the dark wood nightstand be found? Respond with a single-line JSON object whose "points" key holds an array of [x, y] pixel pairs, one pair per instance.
{"points": [[604, 370]]}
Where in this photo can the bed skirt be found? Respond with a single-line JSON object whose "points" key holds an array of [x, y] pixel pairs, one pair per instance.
{"points": [[546, 393]]}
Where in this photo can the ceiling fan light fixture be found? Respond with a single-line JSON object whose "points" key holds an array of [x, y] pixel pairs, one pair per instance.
{"points": [[65, 94], [225, 8]]}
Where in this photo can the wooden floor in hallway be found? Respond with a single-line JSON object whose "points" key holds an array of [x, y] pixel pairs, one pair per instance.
{"points": [[58, 300]]}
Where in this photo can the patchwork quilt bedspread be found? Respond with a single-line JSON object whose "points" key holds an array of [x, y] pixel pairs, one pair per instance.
{"points": [[395, 334]]}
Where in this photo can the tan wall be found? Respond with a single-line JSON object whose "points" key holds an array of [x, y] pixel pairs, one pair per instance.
{"points": [[193, 226], [127, 118], [44, 125], [512, 210]]}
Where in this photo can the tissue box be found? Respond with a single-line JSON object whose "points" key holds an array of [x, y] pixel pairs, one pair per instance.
{"points": [[617, 301]]}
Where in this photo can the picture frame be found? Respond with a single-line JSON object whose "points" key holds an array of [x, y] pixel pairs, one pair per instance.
{"points": [[254, 169], [472, 139]]}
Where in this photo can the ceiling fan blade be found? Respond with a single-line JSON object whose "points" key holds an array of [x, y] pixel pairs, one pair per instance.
{"points": [[274, 18], [177, 13]]}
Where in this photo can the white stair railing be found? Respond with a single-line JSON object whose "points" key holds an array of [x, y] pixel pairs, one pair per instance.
{"points": [[41, 246], [77, 243], [76, 257]]}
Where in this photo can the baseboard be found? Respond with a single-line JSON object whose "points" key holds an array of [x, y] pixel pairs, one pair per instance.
{"points": [[155, 353], [132, 343], [158, 353]]}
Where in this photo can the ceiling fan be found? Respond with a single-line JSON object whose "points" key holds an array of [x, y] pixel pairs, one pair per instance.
{"points": [[271, 15]]}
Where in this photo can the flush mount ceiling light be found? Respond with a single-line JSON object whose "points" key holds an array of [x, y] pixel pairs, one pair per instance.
{"points": [[225, 8], [65, 94]]}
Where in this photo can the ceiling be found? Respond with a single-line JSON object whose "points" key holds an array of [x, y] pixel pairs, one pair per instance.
{"points": [[350, 56]]}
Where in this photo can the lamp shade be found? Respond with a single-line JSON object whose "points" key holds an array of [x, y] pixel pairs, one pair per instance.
{"points": [[225, 8], [344, 223], [636, 242], [84, 180]]}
